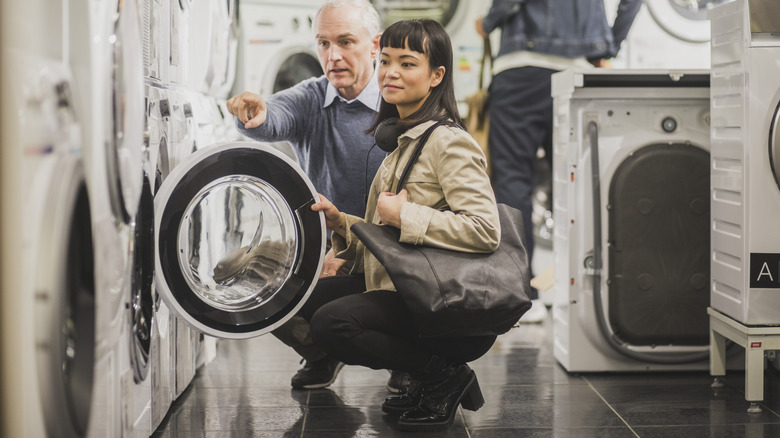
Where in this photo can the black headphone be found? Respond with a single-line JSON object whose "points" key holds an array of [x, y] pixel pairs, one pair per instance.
{"points": [[387, 132]]}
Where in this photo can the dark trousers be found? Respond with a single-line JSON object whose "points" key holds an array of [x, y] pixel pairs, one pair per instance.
{"points": [[296, 332], [521, 121], [375, 329]]}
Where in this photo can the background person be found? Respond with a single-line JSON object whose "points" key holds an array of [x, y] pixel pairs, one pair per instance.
{"points": [[448, 202], [539, 38]]}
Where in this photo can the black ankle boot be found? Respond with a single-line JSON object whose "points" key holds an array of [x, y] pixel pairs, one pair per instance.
{"points": [[398, 404], [440, 399]]}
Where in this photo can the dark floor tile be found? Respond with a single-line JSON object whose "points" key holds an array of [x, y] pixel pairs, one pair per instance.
{"points": [[703, 413], [250, 397], [595, 432], [348, 396], [719, 431], [235, 418], [520, 415], [352, 421]]}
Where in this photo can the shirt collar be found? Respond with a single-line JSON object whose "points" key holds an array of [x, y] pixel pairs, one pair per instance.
{"points": [[368, 97]]}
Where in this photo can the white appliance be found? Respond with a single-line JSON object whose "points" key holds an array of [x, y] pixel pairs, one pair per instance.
{"points": [[155, 27], [666, 34], [60, 371], [179, 32], [745, 168], [277, 46], [107, 57], [238, 249], [631, 242]]}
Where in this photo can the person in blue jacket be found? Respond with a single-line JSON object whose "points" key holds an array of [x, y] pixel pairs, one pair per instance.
{"points": [[539, 38]]}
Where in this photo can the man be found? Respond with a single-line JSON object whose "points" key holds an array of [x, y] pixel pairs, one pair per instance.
{"points": [[539, 38], [325, 120]]}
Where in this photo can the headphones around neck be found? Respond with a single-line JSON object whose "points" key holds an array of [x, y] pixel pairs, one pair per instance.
{"points": [[387, 132]]}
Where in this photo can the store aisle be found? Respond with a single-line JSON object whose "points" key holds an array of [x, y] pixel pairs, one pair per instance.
{"points": [[246, 392]]}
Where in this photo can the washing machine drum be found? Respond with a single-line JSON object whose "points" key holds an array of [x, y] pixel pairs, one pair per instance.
{"points": [[238, 248]]}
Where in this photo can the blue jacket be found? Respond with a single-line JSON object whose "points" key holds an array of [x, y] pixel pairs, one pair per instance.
{"points": [[569, 28]]}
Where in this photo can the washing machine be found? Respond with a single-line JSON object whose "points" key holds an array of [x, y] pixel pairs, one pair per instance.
{"points": [[155, 27], [179, 32], [631, 243], [666, 34], [745, 199], [58, 374], [238, 248], [277, 46]]}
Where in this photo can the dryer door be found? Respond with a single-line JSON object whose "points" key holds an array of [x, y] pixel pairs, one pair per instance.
{"points": [[685, 20], [238, 248]]}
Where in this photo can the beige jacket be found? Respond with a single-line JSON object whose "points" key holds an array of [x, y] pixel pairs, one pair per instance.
{"points": [[451, 202]]}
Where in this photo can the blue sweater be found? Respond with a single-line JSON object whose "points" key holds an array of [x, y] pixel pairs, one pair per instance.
{"points": [[330, 141]]}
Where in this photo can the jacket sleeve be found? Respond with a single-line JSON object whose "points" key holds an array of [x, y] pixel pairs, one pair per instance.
{"points": [[626, 14], [500, 12], [469, 221]]}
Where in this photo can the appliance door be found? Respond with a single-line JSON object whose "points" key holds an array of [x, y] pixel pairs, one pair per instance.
{"points": [[685, 20], [124, 153], [238, 249]]}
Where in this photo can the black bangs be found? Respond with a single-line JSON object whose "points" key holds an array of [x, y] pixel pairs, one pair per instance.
{"points": [[401, 33]]}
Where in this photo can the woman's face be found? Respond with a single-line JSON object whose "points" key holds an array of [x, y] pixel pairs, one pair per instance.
{"points": [[406, 79]]}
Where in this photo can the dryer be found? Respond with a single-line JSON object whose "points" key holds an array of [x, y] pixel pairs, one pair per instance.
{"points": [[666, 34], [631, 243], [238, 249], [745, 199]]}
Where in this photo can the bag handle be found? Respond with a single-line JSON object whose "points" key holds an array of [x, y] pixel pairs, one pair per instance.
{"points": [[415, 155], [487, 55]]}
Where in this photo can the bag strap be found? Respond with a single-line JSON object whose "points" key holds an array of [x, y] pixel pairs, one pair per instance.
{"points": [[415, 155], [487, 55]]}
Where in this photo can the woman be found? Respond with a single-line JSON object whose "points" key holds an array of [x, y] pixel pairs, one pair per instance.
{"points": [[448, 202]]}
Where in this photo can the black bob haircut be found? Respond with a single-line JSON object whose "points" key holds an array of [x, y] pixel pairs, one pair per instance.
{"points": [[428, 37]]}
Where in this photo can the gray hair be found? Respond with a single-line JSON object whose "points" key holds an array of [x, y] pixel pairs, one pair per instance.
{"points": [[369, 17]]}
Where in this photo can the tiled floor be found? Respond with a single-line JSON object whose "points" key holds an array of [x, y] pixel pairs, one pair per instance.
{"points": [[245, 392]]}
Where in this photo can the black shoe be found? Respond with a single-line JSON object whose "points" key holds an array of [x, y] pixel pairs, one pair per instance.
{"points": [[398, 404], [441, 398], [319, 374], [398, 382]]}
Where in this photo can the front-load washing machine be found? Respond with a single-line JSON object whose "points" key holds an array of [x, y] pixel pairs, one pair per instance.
{"points": [[58, 371], [631, 242], [155, 28], [667, 34], [746, 161], [238, 248], [276, 49], [110, 81]]}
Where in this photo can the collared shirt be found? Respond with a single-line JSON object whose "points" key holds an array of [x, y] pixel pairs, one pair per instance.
{"points": [[451, 202], [368, 97]]}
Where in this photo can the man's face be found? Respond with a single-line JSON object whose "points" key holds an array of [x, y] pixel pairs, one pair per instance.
{"points": [[346, 50]]}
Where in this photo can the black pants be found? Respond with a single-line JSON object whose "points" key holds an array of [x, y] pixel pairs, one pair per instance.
{"points": [[375, 329], [296, 332]]}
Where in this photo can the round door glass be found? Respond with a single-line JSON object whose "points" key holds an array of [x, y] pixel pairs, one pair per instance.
{"points": [[237, 244], [296, 68]]}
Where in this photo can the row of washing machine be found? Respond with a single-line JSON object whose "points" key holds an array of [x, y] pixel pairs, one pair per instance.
{"points": [[98, 116], [666, 198]]}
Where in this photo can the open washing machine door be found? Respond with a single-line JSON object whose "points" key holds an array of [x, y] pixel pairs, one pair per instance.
{"points": [[238, 249]]}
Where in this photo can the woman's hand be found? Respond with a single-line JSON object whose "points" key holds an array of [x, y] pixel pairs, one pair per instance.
{"points": [[388, 207], [334, 219]]}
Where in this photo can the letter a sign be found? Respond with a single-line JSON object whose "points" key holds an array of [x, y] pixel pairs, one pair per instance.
{"points": [[764, 271]]}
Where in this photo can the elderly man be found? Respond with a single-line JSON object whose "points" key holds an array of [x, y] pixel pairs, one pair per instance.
{"points": [[325, 120]]}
